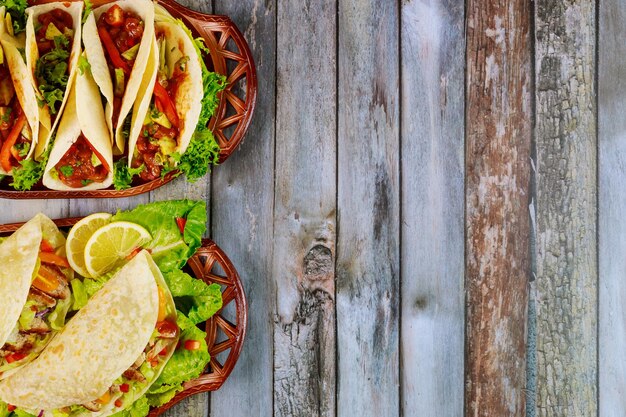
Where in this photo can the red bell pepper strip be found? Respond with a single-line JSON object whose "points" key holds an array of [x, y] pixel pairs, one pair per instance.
{"points": [[111, 49], [181, 222], [168, 106], [5, 152]]}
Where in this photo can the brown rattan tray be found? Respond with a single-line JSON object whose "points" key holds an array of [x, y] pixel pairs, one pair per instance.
{"points": [[230, 56], [225, 331]]}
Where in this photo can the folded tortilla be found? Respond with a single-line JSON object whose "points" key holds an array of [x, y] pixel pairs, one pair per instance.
{"points": [[89, 359], [75, 9], [99, 67], [86, 118], [21, 82], [174, 46], [19, 253]]}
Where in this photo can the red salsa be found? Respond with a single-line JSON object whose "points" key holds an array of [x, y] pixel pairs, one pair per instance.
{"points": [[120, 31], [80, 166]]}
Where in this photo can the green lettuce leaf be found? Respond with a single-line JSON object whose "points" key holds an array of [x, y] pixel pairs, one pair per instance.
{"points": [[58, 315], [86, 11], [4, 409], [202, 151], [140, 408], [30, 171], [197, 300], [21, 413], [184, 364], [122, 175], [170, 250]]}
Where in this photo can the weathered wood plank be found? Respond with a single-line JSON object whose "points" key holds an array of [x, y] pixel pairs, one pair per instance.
{"points": [[23, 210], [566, 208], [368, 252], [305, 209], [243, 200], [612, 207], [498, 134], [433, 316]]}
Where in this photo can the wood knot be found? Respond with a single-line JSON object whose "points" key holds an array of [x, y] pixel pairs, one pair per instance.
{"points": [[318, 263]]}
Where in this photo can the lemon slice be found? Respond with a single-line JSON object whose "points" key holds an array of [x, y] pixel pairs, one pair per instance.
{"points": [[78, 237], [111, 244]]}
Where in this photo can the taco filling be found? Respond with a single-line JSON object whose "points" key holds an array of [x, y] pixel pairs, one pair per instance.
{"points": [[159, 137], [120, 32], [54, 35], [48, 301], [15, 133], [81, 165], [140, 375]]}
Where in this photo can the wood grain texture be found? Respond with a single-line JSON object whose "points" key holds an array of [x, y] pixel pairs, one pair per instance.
{"points": [[432, 103], [305, 209], [612, 207], [498, 135], [243, 201], [368, 251], [566, 208]]}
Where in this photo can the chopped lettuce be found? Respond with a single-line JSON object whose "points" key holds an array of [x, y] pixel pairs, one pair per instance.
{"points": [[169, 248], [27, 315], [52, 74], [4, 409], [58, 315], [202, 151], [122, 175], [197, 300], [182, 366], [140, 408], [17, 10], [79, 294], [30, 171], [86, 11]]}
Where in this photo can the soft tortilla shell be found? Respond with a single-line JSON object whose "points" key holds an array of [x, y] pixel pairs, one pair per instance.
{"points": [[95, 53], [96, 346], [20, 251], [75, 9], [88, 118]]}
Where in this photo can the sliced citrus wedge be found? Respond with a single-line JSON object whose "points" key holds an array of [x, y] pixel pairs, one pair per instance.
{"points": [[110, 246], [78, 237]]}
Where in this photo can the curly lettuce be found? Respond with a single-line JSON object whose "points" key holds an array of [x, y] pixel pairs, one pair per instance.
{"points": [[17, 10], [30, 171]]}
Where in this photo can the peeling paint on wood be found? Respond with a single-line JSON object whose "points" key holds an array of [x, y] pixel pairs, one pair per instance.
{"points": [[566, 199], [498, 135]]}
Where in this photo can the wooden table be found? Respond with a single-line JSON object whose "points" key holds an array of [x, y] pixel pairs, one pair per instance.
{"points": [[428, 211]]}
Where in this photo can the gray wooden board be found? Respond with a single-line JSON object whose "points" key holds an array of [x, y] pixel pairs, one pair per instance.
{"points": [[566, 199], [612, 208], [368, 252], [242, 218], [432, 109], [305, 209]]}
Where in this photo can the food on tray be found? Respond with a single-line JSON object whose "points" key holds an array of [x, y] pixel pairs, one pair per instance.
{"points": [[53, 37], [19, 115], [130, 108], [101, 362], [34, 283], [81, 156]]}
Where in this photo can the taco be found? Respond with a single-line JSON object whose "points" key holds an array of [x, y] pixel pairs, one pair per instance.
{"points": [[81, 156], [118, 38], [53, 34], [19, 115], [166, 119], [35, 290], [108, 354]]}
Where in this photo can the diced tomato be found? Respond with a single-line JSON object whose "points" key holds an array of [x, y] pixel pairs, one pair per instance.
{"points": [[46, 246], [112, 51], [47, 279], [192, 344], [181, 222], [167, 329], [5, 152], [166, 102], [15, 357], [124, 388], [53, 259], [133, 253], [163, 352], [114, 16], [118, 403], [10, 407]]}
